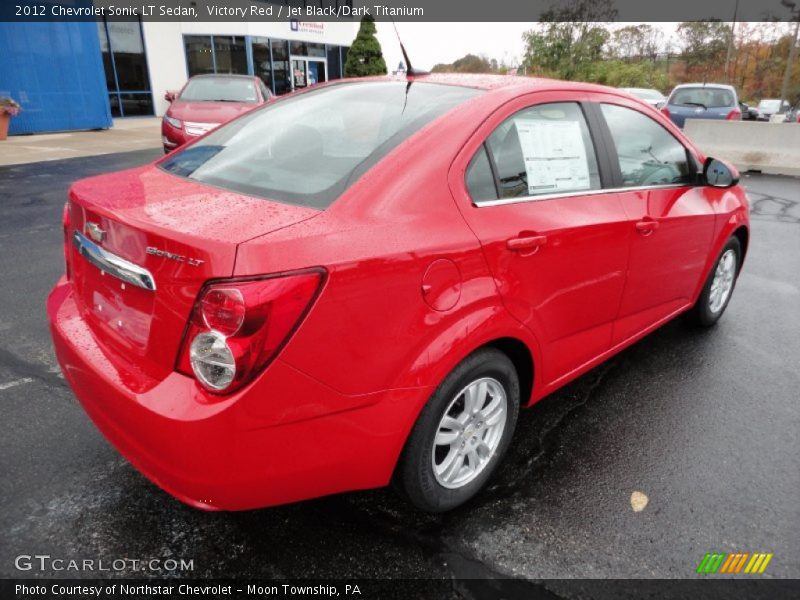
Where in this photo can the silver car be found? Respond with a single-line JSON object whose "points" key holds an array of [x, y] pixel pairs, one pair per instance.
{"points": [[653, 97]]}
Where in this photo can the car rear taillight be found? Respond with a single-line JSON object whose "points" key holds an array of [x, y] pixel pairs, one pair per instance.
{"points": [[238, 327], [734, 115], [665, 111], [65, 222]]}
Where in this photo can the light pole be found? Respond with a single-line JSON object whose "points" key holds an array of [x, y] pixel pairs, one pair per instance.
{"points": [[731, 40], [787, 74]]}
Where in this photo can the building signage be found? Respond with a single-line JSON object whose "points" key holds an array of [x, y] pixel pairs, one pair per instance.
{"points": [[315, 27]]}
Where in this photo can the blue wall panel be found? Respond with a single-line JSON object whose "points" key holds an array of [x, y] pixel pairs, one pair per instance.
{"points": [[55, 71]]}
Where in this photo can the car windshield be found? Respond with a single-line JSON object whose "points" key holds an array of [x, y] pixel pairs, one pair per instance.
{"points": [[703, 96], [220, 89], [309, 148], [772, 105]]}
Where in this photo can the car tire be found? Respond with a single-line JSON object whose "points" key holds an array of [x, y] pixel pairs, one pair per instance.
{"points": [[481, 399], [718, 289]]}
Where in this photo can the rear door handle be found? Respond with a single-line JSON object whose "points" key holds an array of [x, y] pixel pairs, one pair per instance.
{"points": [[526, 243], [646, 226]]}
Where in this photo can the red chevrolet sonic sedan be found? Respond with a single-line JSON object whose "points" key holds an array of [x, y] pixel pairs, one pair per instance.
{"points": [[364, 282]]}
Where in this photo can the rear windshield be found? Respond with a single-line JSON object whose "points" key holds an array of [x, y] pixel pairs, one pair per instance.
{"points": [[219, 89], [308, 149], [703, 96]]}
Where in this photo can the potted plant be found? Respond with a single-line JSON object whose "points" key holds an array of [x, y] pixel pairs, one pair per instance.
{"points": [[8, 108]]}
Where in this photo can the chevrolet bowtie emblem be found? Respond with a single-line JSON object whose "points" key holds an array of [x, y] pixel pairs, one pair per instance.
{"points": [[94, 231]]}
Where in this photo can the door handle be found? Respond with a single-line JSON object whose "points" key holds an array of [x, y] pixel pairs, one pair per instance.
{"points": [[526, 243], [646, 226]]}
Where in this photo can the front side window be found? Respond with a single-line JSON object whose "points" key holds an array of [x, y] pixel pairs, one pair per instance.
{"points": [[545, 149], [309, 148], [648, 154]]}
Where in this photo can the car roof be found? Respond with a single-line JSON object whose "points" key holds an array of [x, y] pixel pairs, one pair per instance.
{"points": [[489, 82], [722, 86], [222, 76], [639, 89]]}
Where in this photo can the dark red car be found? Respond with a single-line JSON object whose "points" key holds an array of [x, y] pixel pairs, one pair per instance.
{"points": [[206, 102], [366, 281]]}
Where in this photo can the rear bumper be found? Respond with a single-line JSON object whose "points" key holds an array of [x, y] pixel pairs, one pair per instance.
{"points": [[253, 449]]}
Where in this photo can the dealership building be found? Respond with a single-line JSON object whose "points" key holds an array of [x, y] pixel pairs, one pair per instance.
{"points": [[80, 75]]}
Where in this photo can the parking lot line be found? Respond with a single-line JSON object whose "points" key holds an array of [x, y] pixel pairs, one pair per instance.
{"points": [[15, 383]]}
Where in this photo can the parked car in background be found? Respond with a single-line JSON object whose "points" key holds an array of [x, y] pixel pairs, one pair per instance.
{"points": [[653, 97], [702, 101], [229, 322], [749, 113], [771, 106], [793, 115], [206, 102]]}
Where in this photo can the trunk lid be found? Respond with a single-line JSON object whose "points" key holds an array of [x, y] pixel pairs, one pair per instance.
{"points": [[181, 232]]}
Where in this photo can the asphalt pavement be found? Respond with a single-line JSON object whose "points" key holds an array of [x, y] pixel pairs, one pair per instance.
{"points": [[703, 424]]}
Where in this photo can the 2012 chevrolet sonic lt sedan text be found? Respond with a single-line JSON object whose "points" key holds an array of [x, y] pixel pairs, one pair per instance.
{"points": [[364, 282]]}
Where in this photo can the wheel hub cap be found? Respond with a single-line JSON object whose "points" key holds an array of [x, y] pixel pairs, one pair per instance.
{"points": [[722, 284], [469, 433]]}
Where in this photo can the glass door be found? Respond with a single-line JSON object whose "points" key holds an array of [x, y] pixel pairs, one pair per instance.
{"points": [[308, 71], [316, 71], [299, 73]]}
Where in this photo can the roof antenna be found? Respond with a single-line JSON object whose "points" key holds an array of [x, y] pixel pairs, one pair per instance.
{"points": [[410, 71]]}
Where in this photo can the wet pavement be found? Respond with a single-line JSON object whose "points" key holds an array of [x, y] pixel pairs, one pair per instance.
{"points": [[706, 425]]}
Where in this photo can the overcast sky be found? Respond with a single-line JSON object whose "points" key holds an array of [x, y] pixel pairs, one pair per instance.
{"points": [[431, 43]]}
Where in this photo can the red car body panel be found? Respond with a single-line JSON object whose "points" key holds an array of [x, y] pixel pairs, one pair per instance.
{"points": [[418, 278]]}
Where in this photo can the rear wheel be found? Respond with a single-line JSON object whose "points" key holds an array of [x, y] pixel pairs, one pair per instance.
{"points": [[462, 433], [719, 286]]}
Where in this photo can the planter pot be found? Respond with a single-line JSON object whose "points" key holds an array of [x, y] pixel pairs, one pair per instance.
{"points": [[4, 119]]}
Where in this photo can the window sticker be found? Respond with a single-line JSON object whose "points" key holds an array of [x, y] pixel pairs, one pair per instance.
{"points": [[555, 156]]}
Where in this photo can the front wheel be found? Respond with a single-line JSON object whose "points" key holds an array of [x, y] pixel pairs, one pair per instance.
{"points": [[719, 286], [462, 433]]}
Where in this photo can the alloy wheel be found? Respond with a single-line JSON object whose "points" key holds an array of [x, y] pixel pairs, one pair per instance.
{"points": [[469, 432], [722, 284]]}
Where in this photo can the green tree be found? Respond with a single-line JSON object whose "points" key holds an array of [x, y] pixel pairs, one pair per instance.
{"points": [[468, 64], [365, 56], [568, 39], [636, 42], [703, 41]]}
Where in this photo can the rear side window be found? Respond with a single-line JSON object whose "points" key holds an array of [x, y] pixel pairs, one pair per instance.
{"points": [[308, 149], [703, 96], [545, 149], [480, 179], [648, 154]]}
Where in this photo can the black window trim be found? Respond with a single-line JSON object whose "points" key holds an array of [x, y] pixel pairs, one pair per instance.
{"points": [[605, 154], [492, 166]]}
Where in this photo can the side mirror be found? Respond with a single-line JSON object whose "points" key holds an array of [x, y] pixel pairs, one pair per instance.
{"points": [[170, 95], [718, 173]]}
